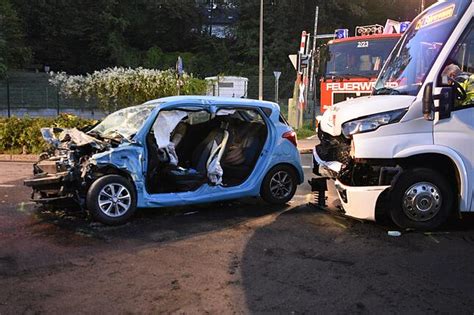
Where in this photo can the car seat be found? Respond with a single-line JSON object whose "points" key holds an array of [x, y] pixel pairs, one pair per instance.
{"points": [[244, 150], [189, 179]]}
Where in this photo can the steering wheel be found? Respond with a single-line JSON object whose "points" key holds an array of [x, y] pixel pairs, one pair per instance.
{"points": [[461, 94]]}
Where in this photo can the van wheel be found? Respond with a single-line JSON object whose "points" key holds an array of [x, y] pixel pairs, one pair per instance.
{"points": [[279, 185], [111, 200], [421, 199]]}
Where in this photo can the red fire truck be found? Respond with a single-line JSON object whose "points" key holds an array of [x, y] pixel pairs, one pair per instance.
{"points": [[353, 63]]}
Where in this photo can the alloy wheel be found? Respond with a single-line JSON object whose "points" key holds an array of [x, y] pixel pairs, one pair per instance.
{"points": [[114, 200], [281, 185]]}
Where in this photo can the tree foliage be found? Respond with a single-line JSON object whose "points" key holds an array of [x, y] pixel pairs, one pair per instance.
{"points": [[84, 35], [13, 52]]}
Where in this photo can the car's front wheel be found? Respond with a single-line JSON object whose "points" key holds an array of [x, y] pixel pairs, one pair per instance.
{"points": [[111, 200], [421, 199], [279, 185]]}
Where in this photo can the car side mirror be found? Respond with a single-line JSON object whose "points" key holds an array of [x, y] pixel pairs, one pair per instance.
{"points": [[446, 102], [428, 102]]}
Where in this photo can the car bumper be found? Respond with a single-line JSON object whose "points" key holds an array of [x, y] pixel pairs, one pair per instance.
{"points": [[359, 202], [322, 168]]}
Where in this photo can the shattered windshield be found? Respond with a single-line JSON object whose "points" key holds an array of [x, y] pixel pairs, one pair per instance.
{"points": [[125, 122], [414, 55]]}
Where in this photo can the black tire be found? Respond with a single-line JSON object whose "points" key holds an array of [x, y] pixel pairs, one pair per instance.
{"points": [[421, 199], [99, 191], [279, 171]]}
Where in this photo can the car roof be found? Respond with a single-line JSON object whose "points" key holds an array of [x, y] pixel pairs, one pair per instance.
{"points": [[212, 100]]}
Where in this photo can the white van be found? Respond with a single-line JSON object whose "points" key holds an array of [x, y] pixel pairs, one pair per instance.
{"points": [[408, 149]]}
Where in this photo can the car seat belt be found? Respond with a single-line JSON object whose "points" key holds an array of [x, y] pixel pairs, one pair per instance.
{"points": [[220, 148]]}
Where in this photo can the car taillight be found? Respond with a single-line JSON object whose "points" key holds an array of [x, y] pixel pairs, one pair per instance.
{"points": [[291, 136]]}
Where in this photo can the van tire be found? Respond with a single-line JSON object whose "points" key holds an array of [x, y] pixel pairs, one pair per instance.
{"points": [[123, 204], [287, 175], [421, 199]]}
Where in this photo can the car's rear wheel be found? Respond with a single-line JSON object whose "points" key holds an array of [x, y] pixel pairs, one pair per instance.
{"points": [[421, 199], [279, 185], [111, 200]]}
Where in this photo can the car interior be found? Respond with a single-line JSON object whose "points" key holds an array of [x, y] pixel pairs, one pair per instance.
{"points": [[220, 149]]}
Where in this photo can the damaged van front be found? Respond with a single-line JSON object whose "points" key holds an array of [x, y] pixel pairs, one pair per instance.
{"points": [[406, 150], [351, 151]]}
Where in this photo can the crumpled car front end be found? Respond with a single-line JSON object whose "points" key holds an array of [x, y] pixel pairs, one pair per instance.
{"points": [[63, 171]]}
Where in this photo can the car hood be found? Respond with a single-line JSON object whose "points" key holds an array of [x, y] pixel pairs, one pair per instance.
{"points": [[71, 137], [338, 114]]}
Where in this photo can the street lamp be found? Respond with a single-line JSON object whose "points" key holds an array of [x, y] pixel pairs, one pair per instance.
{"points": [[260, 61]]}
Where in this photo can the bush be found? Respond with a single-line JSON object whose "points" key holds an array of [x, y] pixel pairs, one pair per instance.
{"points": [[22, 135], [305, 132], [116, 88]]}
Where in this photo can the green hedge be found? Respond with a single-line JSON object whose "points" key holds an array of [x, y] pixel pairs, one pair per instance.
{"points": [[22, 135]]}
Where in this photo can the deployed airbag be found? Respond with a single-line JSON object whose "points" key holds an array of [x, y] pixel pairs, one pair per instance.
{"points": [[163, 127]]}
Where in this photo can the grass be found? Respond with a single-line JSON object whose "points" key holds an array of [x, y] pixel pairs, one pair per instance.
{"points": [[305, 132]]}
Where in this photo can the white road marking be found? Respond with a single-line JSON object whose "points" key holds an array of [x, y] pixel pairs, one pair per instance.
{"points": [[6, 186], [306, 166]]}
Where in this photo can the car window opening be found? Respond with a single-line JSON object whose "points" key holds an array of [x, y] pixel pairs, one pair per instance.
{"points": [[187, 149]]}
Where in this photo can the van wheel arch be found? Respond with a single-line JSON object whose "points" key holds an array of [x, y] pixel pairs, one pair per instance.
{"points": [[421, 198], [437, 162]]}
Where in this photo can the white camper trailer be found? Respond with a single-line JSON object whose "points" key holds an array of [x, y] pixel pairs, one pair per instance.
{"points": [[227, 86]]}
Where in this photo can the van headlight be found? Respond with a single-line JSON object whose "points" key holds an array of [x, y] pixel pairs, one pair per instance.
{"points": [[371, 123]]}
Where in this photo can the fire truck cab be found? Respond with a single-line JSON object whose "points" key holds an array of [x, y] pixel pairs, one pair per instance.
{"points": [[353, 63]]}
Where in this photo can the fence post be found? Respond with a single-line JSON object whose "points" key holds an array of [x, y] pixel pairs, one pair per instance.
{"points": [[57, 103], [8, 98]]}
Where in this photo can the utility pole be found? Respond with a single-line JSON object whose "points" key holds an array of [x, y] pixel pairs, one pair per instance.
{"points": [[260, 58], [211, 10], [313, 53], [422, 5], [312, 80]]}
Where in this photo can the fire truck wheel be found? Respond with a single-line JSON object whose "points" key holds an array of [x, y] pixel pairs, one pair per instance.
{"points": [[421, 199]]}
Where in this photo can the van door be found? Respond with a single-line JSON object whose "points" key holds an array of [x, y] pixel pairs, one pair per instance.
{"points": [[457, 131]]}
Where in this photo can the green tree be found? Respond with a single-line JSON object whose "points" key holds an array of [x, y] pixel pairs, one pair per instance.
{"points": [[13, 51]]}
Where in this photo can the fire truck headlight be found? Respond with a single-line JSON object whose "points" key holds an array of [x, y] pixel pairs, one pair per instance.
{"points": [[371, 123]]}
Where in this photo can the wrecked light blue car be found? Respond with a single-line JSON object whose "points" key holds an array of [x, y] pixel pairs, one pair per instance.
{"points": [[170, 152]]}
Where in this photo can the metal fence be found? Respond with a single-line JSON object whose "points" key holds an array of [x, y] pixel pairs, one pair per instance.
{"points": [[25, 93]]}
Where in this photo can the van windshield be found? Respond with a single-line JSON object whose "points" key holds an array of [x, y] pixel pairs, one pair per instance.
{"points": [[414, 55]]}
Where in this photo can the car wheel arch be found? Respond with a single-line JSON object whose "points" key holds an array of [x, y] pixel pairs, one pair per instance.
{"points": [[294, 168], [104, 170]]}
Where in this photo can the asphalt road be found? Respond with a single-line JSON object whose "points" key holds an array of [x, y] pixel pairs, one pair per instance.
{"points": [[234, 257]]}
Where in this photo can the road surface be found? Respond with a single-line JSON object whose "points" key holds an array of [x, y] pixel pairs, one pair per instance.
{"points": [[234, 257]]}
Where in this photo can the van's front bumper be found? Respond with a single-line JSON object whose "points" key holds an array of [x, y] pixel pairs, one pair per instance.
{"points": [[359, 202], [328, 169]]}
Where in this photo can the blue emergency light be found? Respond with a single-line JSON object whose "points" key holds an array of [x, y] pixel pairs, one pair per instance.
{"points": [[404, 26], [341, 33]]}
